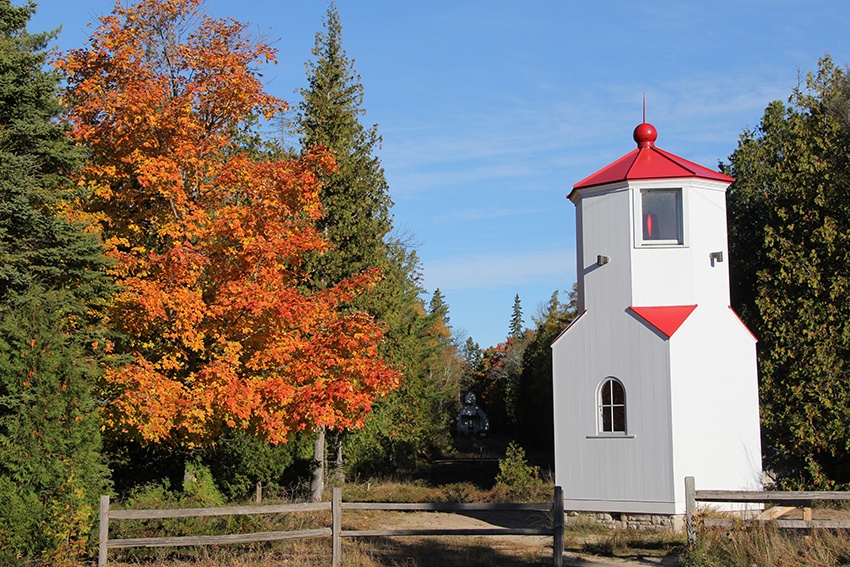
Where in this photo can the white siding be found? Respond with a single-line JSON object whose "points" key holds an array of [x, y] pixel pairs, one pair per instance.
{"points": [[691, 400], [605, 219], [635, 470], [716, 435], [684, 275]]}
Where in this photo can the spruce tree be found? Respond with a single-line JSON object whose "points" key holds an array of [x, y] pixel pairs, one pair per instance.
{"points": [[53, 285], [357, 222], [355, 199], [535, 411], [516, 327]]}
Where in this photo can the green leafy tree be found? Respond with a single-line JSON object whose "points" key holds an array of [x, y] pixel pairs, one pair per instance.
{"points": [[53, 285], [412, 423], [789, 237]]}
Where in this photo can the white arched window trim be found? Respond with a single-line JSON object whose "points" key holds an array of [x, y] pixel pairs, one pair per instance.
{"points": [[611, 414]]}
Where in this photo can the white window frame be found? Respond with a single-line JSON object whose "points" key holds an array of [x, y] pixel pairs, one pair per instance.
{"points": [[603, 405], [682, 240]]}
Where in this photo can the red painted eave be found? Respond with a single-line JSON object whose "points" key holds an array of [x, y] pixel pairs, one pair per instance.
{"points": [[666, 319], [650, 163], [570, 326]]}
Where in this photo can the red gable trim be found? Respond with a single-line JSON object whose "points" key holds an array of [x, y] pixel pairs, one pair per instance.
{"points": [[649, 163], [666, 319], [738, 317], [570, 326]]}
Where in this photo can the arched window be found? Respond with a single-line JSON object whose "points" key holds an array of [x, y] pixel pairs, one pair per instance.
{"points": [[612, 406]]}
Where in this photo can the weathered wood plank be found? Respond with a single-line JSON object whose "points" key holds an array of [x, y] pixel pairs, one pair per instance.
{"points": [[103, 530], [336, 529], [222, 511], [690, 510], [783, 524], [775, 512], [447, 532], [445, 506], [769, 496], [558, 527], [214, 540]]}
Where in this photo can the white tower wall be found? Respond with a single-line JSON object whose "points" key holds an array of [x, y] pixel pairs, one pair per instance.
{"points": [[630, 473], [715, 420], [689, 373]]}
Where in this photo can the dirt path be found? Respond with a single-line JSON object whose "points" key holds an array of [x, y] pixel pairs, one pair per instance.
{"points": [[519, 550]]}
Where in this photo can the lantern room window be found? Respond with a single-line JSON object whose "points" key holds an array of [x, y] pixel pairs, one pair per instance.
{"points": [[612, 407], [661, 217]]}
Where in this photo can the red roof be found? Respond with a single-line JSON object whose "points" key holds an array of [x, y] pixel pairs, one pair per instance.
{"points": [[667, 319], [649, 162]]}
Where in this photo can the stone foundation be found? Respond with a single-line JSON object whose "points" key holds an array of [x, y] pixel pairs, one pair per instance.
{"points": [[639, 522]]}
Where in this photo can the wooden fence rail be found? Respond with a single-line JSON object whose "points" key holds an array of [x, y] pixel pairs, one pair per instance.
{"points": [[786, 501], [335, 532]]}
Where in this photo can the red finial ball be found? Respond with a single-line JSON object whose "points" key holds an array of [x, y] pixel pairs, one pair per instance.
{"points": [[645, 135]]}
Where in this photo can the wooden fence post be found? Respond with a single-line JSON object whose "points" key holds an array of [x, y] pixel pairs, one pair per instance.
{"points": [[558, 526], [690, 510], [336, 529], [104, 530]]}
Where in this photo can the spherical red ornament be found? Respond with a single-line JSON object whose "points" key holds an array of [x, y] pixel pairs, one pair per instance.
{"points": [[645, 135]]}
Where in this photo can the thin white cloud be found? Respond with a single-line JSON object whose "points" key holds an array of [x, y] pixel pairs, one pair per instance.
{"points": [[467, 215], [491, 271]]}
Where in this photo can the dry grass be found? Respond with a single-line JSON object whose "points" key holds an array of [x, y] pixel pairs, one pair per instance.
{"points": [[371, 552], [765, 545]]}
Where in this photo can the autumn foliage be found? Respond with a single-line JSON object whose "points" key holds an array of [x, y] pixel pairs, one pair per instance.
{"points": [[209, 241]]}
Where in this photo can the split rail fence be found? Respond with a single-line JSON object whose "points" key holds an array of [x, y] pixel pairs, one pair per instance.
{"points": [[784, 502], [335, 531]]}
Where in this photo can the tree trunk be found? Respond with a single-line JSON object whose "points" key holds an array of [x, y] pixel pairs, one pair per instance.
{"points": [[339, 473], [317, 482]]}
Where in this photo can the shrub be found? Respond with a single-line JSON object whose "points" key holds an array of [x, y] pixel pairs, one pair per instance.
{"points": [[517, 480], [240, 462]]}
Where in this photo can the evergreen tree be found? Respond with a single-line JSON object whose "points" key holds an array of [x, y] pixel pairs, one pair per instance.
{"points": [[36, 243], [789, 240], [355, 198], [413, 422], [51, 473], [438, 308], [517, 327], [53, 285], [535, 410], [357, 222], [472, 357]]}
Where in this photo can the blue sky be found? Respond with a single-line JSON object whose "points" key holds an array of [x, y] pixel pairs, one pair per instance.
{"points": [[490, 110]]}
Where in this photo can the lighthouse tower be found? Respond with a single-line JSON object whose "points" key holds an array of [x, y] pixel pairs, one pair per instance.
{"points": [[656, 379]]}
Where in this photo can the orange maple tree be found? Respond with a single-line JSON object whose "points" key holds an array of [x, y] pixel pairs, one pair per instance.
{"points": [[209, 241]]}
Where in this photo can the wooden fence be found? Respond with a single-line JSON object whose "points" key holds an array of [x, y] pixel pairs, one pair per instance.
{"points": [[335, 531], [784, 501]]}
